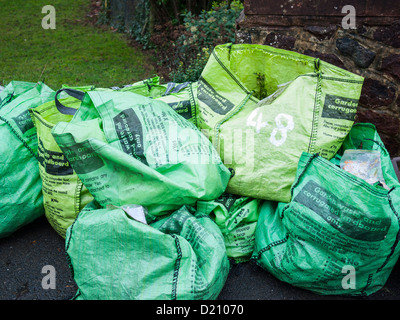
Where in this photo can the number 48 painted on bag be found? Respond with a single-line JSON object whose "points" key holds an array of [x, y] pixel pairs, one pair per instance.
{"points": [[284, 124]]}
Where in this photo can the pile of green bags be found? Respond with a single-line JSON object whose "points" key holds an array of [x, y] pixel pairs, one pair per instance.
{"points": [[158, 187]]}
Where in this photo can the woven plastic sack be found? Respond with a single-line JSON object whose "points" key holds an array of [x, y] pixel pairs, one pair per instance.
{"points": [[339, 234], [237, 219], [21, 200], [13, 90], [262, 107], [115, 257], [179, 96], [127, 148], [63, 193]]}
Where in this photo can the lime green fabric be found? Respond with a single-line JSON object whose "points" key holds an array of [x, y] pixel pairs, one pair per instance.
{"points": [[237, 219], [127, 148], [262, 107], [21, 200], [339, 234], [64, 194], [13, 90], [179, 96], [114, 257]]}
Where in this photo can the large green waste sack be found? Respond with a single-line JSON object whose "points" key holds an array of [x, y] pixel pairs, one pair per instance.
{"points": [[64, 194], [262, 107], [21, 200], [127, 148], [339, 234], [13, 90], [237, 219], [179, 96], [115, 257]]}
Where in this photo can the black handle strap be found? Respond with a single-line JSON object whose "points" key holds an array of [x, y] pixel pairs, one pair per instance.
{"points": [[73, 93], [172, 87]]}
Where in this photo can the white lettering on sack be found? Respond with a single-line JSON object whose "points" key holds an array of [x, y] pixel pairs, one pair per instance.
{"points": [[284, 124]]}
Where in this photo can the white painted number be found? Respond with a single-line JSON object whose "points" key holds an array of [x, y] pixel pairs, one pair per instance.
{"points": [[284, 124], [259, 124]]}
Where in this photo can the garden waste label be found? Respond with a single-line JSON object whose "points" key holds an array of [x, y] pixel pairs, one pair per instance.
{"points": [[341, 216]]}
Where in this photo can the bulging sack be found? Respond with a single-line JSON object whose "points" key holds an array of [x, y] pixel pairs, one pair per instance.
{"points": [[64, 194], [262, 107], [112, 256], [127, 148], [237, 219], [339, 233], [21, 199]]}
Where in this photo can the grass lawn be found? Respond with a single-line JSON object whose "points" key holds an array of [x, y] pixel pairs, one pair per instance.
{"points": [[75, 53]]}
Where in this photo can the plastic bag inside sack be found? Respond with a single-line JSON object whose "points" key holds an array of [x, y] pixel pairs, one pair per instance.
{"points": [[116, 257], [365, 164], [134, 211]]}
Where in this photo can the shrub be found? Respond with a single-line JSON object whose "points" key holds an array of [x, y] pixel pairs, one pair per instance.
{"points": [[201, 34]]}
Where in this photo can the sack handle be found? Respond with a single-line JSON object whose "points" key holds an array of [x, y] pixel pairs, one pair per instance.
{"points": [[73, 93]]}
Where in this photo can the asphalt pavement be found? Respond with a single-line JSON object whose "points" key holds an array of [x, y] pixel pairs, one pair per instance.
{"points": [[26, 255]]}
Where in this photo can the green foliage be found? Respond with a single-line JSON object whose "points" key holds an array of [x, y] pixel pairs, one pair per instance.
{"points": [[103, 15], [138, 29], [262, 92], [203, 33]]}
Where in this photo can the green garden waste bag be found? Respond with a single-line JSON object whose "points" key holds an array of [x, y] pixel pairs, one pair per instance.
{"points": [[339, 234], [179, 96], [13, 90], [114, 256], [150, 87], [237, 219], [127, 148], [21, 200], [262, 107], [63, 193]]}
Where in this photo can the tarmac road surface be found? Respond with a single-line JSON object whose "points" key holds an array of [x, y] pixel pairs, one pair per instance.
{"points": [[25, 255]]}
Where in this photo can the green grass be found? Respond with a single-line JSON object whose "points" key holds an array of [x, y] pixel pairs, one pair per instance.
{"points": [[75, 53]]}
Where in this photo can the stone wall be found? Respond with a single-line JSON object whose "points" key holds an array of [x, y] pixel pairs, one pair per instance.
{"points": [[315, 28]]}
